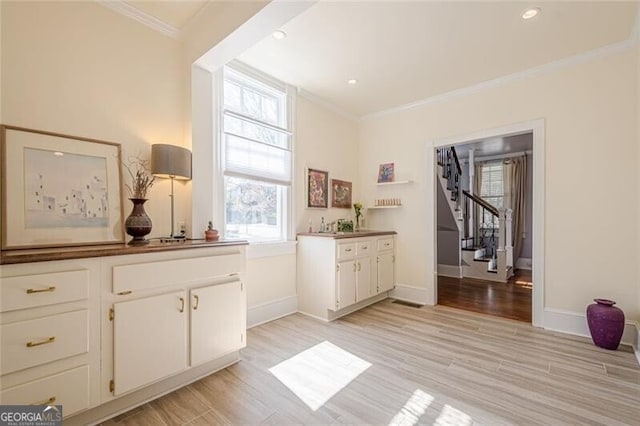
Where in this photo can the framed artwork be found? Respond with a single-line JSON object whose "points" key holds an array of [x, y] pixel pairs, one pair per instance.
{"points": [[59, 190], [341, 194], [317, 189], [386, 172]]}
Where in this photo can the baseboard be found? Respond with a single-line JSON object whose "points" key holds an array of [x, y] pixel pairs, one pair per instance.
{"points": [[524, 263], [270, 311], [409, 294], [576, 323], [356, 307], [452, 271]]}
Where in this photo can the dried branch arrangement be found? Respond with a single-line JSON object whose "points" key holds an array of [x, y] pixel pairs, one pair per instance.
{"points": [[141, 178]]}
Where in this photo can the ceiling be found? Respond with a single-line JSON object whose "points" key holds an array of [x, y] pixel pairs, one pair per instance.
{"points": [[402, 52], [497, 146], [406, 51]]}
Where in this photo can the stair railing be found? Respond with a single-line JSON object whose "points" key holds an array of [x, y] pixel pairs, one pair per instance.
{"points": [[451, 171], [487, 236]]}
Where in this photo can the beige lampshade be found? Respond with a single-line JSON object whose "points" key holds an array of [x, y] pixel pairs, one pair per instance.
{"points": [[170, 161]]}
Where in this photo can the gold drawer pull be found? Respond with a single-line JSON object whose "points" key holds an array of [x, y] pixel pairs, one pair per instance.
{"points": [[181, 304], [348, 250], [44, 342], [44, 290], [46, 401]]}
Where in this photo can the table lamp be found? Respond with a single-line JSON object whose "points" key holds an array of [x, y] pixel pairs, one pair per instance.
{"points": [[171, 162]]}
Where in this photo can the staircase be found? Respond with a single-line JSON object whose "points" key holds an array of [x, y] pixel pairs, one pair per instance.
{"points": [[485, 232]]}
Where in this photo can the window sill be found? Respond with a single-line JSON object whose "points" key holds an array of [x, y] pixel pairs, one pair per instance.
{"points": [[280, 248]]}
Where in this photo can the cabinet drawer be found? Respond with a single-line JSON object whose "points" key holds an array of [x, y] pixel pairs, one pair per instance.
{"points": [[147, 275], [363, 248], [385, 244], [346, 250], [69, 389], [30, 291], [34, 342]]}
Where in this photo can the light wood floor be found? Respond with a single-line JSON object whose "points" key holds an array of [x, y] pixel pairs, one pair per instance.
{"points": [[493, 370], [508, 300]]}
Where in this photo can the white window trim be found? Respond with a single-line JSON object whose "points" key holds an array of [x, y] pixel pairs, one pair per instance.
{"points": [[266, 248]]}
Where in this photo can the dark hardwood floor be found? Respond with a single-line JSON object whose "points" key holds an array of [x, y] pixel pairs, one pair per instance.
{"points": [[508, 300]]}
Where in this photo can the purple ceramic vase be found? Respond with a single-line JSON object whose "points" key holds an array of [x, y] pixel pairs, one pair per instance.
{"points": [[606, 323]]}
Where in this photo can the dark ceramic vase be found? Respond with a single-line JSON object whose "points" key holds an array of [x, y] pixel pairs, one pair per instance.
{"points": [[606, 323], [138, 224]]}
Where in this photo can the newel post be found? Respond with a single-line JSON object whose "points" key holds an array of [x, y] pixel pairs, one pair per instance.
{"points": [[508, 245], [501, 229]]}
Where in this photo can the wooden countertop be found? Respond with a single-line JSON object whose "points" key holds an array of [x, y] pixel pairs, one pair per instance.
{"points": [[64, 253], [341, 235]]}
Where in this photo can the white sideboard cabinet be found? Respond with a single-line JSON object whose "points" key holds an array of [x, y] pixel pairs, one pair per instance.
{"points": [[104, 329], [340, 273]]}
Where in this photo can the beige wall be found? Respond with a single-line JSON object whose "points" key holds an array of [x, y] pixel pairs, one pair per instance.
{"points": [[324, 141], [590, 169], [80, 69]]}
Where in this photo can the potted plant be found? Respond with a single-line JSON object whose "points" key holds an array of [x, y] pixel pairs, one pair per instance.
{"points": [[211, 234]]}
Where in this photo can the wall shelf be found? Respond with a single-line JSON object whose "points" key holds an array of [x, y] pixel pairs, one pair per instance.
{"points": [[384, 207], [396, 182]]}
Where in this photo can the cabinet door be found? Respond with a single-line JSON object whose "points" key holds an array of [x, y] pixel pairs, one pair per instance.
{"points": [[386, 275], [363, 289], [218, 321], [346, 284], [149, 340]]}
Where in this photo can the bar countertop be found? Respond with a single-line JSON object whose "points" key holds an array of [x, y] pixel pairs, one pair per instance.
{"points": [[78, 252], [352, 234]]}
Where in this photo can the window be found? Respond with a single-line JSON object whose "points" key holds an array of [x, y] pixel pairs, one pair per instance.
{"points": [[492, 189], [255, 147]]}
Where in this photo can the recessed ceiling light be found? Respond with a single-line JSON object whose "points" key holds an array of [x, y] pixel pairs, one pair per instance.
{"points": [[58, 153], [279, 35], [352, 82], [530, 13]]}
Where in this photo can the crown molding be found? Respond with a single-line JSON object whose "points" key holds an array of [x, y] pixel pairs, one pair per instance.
{"points": [[152, 22], [326, 104], [588, 56]]}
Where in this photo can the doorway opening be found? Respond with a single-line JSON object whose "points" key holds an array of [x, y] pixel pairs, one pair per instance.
{"points": [[488, 245]]}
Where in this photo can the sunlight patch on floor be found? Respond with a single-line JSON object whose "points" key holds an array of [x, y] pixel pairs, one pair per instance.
{"points": [[450, 416], [318, 373], [415, 407]]}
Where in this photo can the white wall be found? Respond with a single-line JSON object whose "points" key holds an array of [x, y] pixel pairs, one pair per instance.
{"points": [[637, 211], [590, 170], [80, 69]]}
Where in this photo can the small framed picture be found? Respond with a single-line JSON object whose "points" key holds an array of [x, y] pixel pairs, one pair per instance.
{"points": [[386, 172], [317, 189], [341, 194]]}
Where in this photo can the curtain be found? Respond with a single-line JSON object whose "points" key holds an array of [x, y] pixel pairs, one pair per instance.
{"points": [[515, 198]]}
